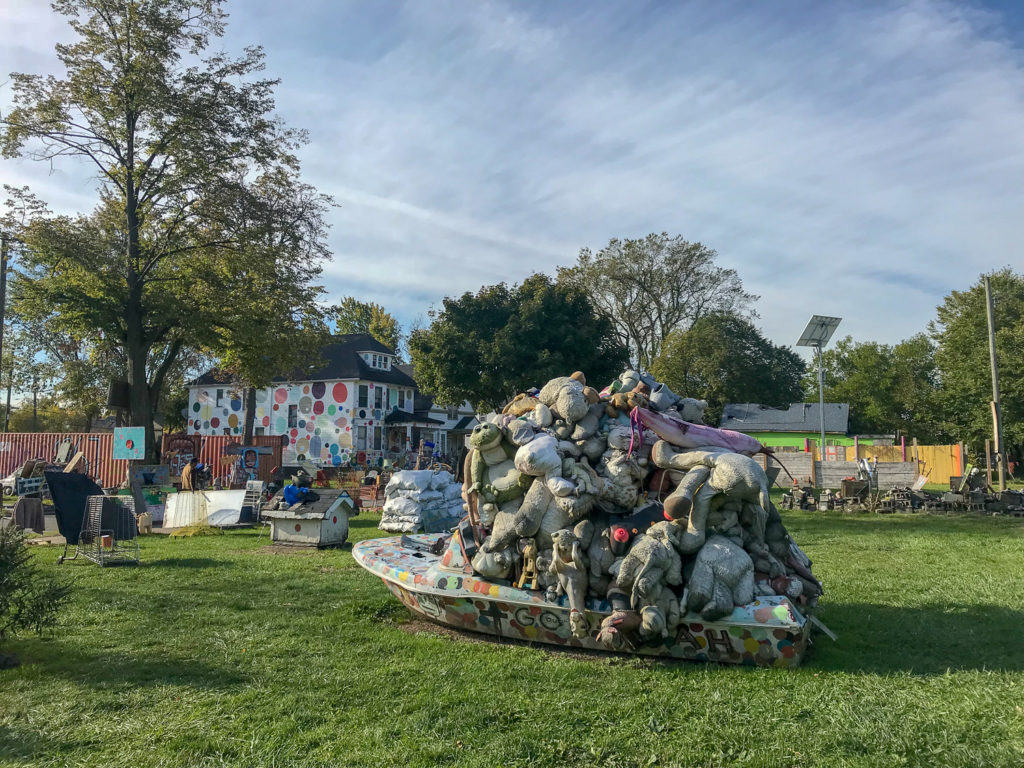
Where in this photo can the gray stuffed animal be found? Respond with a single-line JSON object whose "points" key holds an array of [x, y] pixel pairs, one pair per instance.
{"points": [[722, 578]]}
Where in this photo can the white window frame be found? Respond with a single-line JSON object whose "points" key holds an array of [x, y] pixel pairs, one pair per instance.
{"points": [[378, 397], [363, 396], [361, 438]]}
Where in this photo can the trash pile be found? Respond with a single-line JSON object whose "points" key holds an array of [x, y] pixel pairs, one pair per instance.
{"points": [[421, 500], [625, 495]]}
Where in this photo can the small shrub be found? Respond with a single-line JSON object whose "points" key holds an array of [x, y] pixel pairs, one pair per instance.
{"points": [[29, 597]]}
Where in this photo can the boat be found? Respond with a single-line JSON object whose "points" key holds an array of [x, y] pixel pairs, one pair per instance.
{"points": [[431, 575]]}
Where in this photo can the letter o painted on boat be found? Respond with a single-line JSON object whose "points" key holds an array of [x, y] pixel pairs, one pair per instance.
{"points": [[550, 620]]}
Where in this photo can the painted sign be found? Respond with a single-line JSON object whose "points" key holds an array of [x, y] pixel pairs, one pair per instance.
{"points": [[129, 443]]}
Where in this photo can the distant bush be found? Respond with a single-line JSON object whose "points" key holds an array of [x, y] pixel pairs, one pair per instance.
{"points": [[29, 597]]}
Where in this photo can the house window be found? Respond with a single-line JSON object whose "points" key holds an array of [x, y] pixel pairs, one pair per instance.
{"points": [[260, 431], [401, 399], [453, 412], [378, 397], [364, 396], [220, 397], [378, 442], [360, 438], [293, 416]]}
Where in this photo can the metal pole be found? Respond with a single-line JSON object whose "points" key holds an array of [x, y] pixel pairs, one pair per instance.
{"points": [[997, 416], [821, 402]]}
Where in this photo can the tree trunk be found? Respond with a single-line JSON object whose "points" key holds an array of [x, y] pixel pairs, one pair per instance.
{"points": [[7, 410], [250, 415]]}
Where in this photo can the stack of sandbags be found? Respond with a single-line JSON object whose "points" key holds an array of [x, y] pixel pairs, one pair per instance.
{"points": [[421, 500]]}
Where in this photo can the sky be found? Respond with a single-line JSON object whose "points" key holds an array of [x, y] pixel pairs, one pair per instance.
{"points": [[856, 159]]}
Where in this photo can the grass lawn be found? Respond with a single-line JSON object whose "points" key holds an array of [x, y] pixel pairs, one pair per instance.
{"points": [[217, 651]]}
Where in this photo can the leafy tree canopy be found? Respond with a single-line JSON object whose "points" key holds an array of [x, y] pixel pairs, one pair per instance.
{"points": [[487, 346], [354, 316], [650, 287], [725, 359], [204, 236], [960, 333], [890, 388]]}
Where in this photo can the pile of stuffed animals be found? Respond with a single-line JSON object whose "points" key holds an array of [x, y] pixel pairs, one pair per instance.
{"points": [[625, 495]]}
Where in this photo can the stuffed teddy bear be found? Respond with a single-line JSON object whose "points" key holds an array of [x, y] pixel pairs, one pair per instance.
{"points": [[571, 572], [646, 574], [520, 404], [720, 475], [494, 564], [539, 458], [540, 417], [589, 424], [592, 396], [494, 474], [692, 410], [651, 562], [564, 396], [722, 578], [623, 476], [624, 402]]}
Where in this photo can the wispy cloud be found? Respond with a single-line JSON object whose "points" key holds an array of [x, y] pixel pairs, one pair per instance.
{"points": [[848, 158]]}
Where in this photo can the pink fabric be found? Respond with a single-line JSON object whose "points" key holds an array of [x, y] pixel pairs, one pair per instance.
{"points": [[683, 434]]}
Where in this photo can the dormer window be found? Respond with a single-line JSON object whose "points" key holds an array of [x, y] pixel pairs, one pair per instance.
{"points": [[381, 362]]}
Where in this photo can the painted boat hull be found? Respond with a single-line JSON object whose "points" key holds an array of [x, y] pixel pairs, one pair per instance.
{"points": [[770, 631]]}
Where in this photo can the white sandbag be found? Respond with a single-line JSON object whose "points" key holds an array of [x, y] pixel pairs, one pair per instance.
{"points": [[398, 506], [429, 497], [453, 491], [410, 479], [399, 525], [441, 479]]}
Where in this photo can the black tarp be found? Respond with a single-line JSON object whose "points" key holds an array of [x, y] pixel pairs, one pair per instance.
{"points": [[69, 491]]}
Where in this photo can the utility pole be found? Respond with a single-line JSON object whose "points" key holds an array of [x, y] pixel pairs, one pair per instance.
{"points": [[4, 245], [821, 401], [997, 415]]}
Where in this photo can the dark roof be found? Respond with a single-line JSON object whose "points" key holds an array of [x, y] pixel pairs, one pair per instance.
{"points": [[404, 417], [463, 425], [799, 417], [340, 360]]}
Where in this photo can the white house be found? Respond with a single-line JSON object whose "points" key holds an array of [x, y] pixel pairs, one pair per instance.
{"points": [[357, 406]]}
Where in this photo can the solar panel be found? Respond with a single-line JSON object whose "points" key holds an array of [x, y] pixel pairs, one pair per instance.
{"points": [[818, 331]]}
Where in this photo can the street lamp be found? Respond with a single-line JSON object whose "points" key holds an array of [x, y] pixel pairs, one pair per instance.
{"points": [[817, 333]]}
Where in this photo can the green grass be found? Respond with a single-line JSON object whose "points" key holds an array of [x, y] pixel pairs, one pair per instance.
{"points": [[216, 652]]}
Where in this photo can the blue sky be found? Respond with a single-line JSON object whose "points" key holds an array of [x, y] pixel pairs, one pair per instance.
{"points": [[859, 159]]}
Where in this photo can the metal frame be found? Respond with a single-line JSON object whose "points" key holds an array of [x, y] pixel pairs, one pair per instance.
{"points": [[124, 537]]}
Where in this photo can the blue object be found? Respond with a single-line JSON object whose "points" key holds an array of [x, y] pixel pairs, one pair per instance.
{"points": [[293, 494]]}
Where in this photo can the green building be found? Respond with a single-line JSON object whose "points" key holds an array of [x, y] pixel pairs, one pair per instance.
{"points": [[798, 426]]}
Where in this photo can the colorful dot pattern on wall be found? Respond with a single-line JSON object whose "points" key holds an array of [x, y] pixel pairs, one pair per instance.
{"points": [[323, 427]]}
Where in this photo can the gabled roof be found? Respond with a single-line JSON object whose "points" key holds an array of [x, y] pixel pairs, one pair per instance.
{"points": [[340, 359], [799, 417]]}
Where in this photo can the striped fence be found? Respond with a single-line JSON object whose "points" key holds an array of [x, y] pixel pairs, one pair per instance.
{"points": [[18, 447]]}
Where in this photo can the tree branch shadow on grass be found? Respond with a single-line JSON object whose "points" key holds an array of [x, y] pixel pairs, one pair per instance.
{"points": [[921, 640], [26, 746], [187, 562], [60, 658]]}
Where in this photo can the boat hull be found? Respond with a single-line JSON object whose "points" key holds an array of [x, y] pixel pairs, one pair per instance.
{"points": [[767, 632]]}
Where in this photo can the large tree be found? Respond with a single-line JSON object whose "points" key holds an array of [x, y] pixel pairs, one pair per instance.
{"points": [[354, 316], [725, 359], [650, 287], [198, 181], [960, 332], [890, 387], [487, 346]]}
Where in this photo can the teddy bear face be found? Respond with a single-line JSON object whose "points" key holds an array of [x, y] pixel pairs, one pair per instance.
{"points": [[485, 436]]}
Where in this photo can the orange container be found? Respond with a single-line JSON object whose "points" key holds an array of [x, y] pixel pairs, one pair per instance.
{"points": [[107, 541]]}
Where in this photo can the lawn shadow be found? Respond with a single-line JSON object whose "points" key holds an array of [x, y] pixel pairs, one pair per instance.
{"points": [[922, 640], [187, 562], [110, 669], [25, 746]]}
